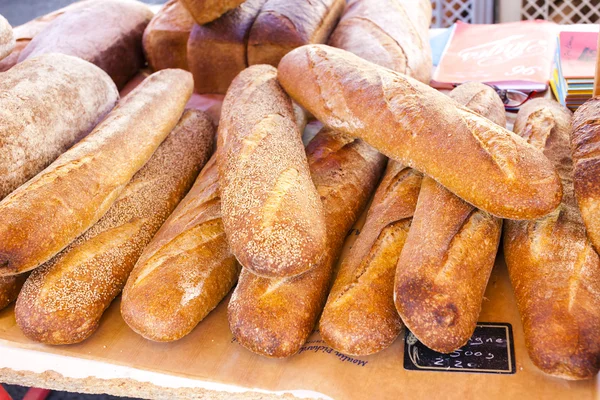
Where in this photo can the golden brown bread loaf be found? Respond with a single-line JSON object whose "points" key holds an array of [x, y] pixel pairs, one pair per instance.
{"points": [[10, 286], [107, 33], [166, 36], [217, 51], [205, 11], [359, 317], [274, 317], [47, 105], [481, 162], [186, 270], [449, 253], [7, 38], [62, 301], [390, 33], [553, 267], [47, 213], [283, 25], [586, 168], [272, 213]]}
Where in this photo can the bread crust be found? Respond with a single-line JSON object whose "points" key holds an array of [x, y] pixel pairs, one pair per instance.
{"points": [[553, 267], [47, 105], [63, 300], [166, 37], [483, 163], [10, 286], [7, 38], [217, 51], [390, 33], [205, 11], [107, 33], [272, 214], [186, 270], [283, 25], [47, 213], [274, 317]]}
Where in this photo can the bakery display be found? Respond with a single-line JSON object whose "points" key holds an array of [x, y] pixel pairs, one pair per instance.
{"points": [[553, 267], [272, 213], [205, 11], [74, 96], [106, 33], [47, 213]]}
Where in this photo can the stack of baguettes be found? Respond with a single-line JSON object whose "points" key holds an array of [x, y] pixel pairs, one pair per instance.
{"points": [[136, 204]]}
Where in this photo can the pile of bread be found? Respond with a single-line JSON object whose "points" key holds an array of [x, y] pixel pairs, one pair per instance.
{"points": [[102, 195]]}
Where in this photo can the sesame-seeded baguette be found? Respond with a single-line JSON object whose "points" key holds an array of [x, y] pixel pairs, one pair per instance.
{"points": [[553, 267], [74, 96], [450, 251], [63, 300], [390, 33], [274, 317], [7, 38], [359, 317], [186, 270], [205, 11], [10, 286], [107, 33], [479, 161], [586, 168], [217, 51], [166, 37], [272, 213], [283, 25], [47, 213]]}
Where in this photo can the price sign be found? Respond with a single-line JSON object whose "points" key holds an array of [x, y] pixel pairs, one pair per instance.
{"points": [[490, 350]]}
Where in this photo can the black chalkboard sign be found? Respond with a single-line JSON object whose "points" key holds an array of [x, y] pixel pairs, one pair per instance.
{"points": [[490, 350]]}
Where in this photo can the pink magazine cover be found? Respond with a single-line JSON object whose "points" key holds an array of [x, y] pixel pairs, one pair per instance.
{"points": [[515, 55], [578, 54]]}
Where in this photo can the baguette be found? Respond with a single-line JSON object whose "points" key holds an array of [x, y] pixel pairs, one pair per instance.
{"points": [[186, 270], [390, 33], [47, 105], [479, 161], [217, 52], [10, 286], [584, 139], [359, 317], [7, 38], [283, 25], [107, 33], [552, 265], [43, 216], [272, 213], [166, 36], [62, 301], [205, 11], [274, 317], [449, 253]]}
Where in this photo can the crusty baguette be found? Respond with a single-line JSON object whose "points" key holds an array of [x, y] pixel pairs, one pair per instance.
{"points": [[10, 286], [63, 300], [217, 51], [586, 169], [107, 33], [283, 25], [47, 105], [359, 317], [205, 11], [47, 213], [272, 213], [390, 33], [186, 270], [481, 162], [553, 267], [274, 317], [166, 36], [7, 38], [449, 253]]}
